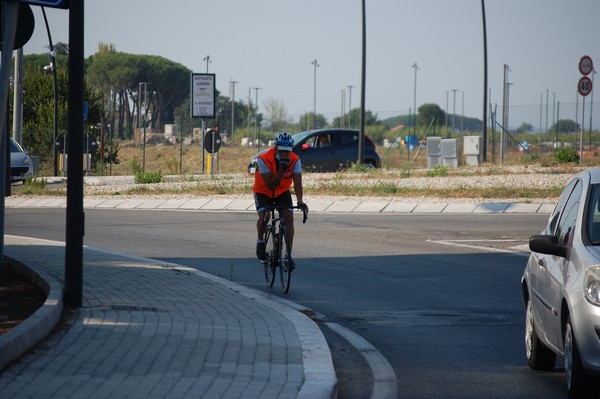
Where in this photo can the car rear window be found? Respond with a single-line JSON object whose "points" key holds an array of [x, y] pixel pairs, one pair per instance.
{"points": [[348, 138]]}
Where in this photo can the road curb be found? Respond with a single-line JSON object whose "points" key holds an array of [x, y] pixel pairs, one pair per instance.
{"points": [[35, 328]]}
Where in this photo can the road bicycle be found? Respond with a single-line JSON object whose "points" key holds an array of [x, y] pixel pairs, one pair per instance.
{"points": [[277, 248]]}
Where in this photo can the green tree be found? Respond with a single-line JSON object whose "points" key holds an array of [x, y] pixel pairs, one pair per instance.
{"points": [[427, 112], [354, 117], [307, 121], [38, 106], [525, 128], [276, 114], [118, 76], [565, 126]]}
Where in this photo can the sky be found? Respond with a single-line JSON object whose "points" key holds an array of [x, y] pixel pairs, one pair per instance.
{"points": [[272, 44]]}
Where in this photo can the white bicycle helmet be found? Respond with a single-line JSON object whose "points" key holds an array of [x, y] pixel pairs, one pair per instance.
{"points": [[284, 142]]}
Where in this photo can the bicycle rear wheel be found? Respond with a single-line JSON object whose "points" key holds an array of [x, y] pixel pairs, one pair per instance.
{"points": [[270, 261], [285, 272]]}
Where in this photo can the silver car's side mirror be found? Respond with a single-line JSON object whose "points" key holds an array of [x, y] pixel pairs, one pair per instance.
{"points": [[548, 245]]}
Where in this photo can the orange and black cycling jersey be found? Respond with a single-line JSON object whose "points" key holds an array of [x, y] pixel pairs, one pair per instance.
{"points": [[286, 181]]}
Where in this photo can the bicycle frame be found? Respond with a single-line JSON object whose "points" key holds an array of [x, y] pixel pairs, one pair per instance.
{"points": [[277, 243]]}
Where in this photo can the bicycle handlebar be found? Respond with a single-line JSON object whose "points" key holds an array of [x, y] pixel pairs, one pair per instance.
{"points": [[280, 208]]}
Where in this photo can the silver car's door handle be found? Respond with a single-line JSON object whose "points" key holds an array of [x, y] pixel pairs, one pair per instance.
{"points": [[542, 262]]}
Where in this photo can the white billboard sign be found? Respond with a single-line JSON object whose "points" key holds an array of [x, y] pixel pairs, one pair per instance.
{"points": [[203, 101]]}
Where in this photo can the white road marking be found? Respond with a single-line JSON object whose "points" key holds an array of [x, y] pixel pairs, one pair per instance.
{"points": [[519, 250]]}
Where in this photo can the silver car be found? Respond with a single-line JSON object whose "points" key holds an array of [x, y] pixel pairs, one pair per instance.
{"points": [[561, 288], [21, 166]]}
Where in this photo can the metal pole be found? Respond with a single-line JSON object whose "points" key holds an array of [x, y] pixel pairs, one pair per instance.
{"points": [[446, 112], [249, 106], [462, 118], [208, 61], [18, 97], [504, 112], [581, 130], [256, 89], [415, 101], [547, 95], [181, 143], [350, 106], [485, 82], [10, 13], [453, 108], [592, 107], [233, 82], [541, 102], [342, 107], [361, 135], [75, 214], [556, 125], [316, 64], [55, 115]]}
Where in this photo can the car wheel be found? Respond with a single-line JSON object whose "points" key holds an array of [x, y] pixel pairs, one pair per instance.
{"points": [[369, 164], [539, 356], [578, 384]]}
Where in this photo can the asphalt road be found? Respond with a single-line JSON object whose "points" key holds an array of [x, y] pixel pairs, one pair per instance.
{"points": [[430, 292]]}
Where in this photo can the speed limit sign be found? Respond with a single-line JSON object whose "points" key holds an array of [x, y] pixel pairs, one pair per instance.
{"points": [[586, 65], [584, 86]]}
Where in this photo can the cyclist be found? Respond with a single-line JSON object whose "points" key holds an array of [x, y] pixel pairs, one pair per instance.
{"points": [[277, 169]]}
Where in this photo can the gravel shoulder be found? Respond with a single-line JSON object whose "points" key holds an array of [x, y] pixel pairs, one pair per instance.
{"points": [[240, 185]]}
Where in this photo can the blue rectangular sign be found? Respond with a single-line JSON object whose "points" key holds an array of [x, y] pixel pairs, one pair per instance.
{"points": [[48, 3]]}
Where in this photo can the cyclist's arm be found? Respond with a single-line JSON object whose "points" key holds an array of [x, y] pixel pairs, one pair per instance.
{"points": [[297, 179]]}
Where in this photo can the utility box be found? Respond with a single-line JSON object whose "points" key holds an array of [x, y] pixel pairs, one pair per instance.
{"points": [[449, 153], [434, 152], [472, 147]]}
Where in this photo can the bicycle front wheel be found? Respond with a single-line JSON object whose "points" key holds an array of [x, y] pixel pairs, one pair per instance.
{"points": [[285, 272], [270, 261]]}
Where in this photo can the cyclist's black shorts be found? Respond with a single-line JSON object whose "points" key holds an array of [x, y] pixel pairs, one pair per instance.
{"points": [[261, 200]]}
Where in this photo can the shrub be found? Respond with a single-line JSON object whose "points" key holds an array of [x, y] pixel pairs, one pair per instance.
{"points": [[565, 155], [438, 170], [147, 177]]}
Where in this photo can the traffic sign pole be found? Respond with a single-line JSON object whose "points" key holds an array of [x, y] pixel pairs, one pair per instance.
{"points": [[584, 87]]}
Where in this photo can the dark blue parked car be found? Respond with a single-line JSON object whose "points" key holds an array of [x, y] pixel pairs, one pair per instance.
{"points": [[329, 150]]}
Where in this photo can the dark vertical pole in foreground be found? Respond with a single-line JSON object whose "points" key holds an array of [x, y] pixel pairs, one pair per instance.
{"points": [[361, 136], [75, 216], [485, 82]]}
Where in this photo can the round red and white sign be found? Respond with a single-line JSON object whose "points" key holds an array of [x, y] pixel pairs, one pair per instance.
{"points": [[584, 86], [586, 66]]}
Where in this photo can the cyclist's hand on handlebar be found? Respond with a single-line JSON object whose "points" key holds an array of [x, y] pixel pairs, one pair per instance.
{"points": [[304, 208]]}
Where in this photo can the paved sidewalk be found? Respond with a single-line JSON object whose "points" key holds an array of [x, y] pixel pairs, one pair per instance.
{"points": [[316, 204], [149, 329]]}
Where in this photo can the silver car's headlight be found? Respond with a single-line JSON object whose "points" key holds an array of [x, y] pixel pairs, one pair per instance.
{"points": [[591, 285], [27, 161]]}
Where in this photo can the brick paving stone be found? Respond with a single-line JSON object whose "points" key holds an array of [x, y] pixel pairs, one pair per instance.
{"points": [[150, 329]]}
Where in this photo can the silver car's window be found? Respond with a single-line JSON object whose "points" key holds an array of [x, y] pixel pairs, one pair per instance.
{"points": [[593, 219], [551, 227], [566, 225]]}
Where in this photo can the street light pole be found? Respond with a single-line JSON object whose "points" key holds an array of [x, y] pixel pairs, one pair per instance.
{"points": [[415, 102], [446, 112], [316, 64], [233, 82], [350, 105], [256, 89], [462, 118], [52, 56], [342, 103]]}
